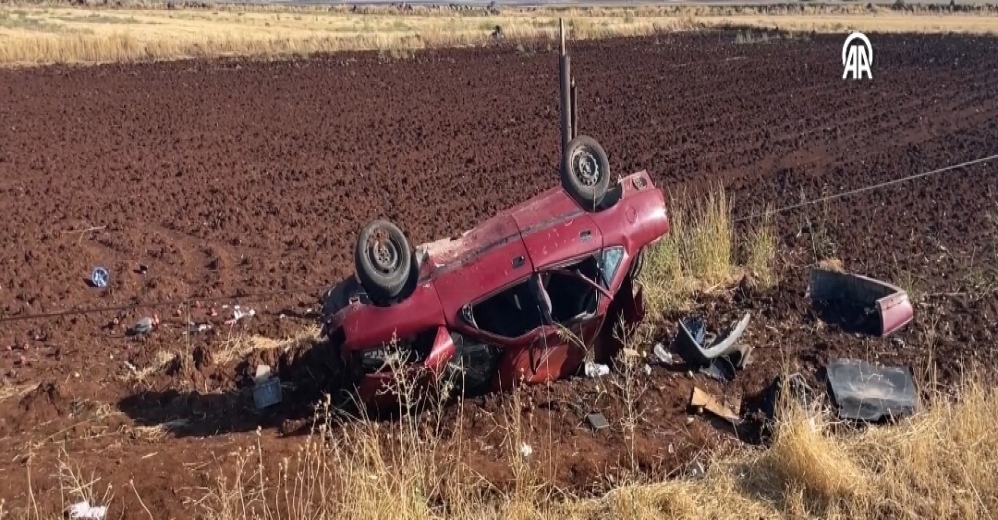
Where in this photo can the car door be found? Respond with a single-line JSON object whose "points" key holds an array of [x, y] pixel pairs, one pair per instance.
{"points": [[577, 304], [511, 320]]}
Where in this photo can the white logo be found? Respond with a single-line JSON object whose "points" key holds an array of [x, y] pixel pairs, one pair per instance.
{"points": [[857, 59]]}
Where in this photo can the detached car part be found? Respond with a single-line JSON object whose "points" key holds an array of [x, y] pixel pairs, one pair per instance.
{"points": [[722, 357], [859, 303], [867, 392]]}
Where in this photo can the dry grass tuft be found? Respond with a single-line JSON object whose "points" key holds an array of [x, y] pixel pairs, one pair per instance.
{"points": [[240, 345], [832, 264], [697, 255], [812, 464], [162, 360], [12, 391], [760, 252]]}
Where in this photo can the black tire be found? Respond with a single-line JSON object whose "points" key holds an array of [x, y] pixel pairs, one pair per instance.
{"points": [[585, 171], [383, 267]]}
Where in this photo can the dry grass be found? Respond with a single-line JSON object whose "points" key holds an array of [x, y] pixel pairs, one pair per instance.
{"points": [[939, 464], [760, 251], [162, 359], [34, 34], [14, 391], [697, 255], [238, 346]]}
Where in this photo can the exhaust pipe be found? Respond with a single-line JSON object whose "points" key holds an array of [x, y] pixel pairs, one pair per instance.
{"points": [[575, 111], [567, 105]]}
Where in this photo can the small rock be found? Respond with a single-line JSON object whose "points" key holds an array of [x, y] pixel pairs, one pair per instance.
{"points": [[144, 325]]}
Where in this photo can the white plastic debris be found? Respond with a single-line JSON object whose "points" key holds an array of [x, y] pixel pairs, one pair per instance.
{"points": [[596, 369], [647, 370], [663, 356], [238, 314], [84, 511], [525, 450], [262, 373], [194, 328]]}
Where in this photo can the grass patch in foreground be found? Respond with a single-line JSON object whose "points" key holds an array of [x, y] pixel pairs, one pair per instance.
{"points": [[938, 464]]}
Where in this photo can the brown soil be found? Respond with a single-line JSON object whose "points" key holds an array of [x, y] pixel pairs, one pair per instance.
{"points": [[238, 179]]}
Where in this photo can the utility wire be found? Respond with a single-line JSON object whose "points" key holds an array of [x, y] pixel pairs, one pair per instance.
{"points": [[134, 306], [265, 295], [868, 188]]}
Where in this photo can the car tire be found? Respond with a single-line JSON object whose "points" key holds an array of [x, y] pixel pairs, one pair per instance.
{"points": [[585, 171], [383, 267]]}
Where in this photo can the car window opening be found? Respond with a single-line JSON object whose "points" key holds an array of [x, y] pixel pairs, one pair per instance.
{"points": [[570, 296], [550, 297], [511, 313]]}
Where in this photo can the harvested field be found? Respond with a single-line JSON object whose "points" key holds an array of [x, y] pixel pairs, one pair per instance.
{"points": [[56, 33], [239, 178]]}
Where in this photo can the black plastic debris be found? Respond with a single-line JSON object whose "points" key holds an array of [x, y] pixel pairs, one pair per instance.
{"points": [[867, 392], [722, 357], [797, 389], [266, 388], [597, 421]]}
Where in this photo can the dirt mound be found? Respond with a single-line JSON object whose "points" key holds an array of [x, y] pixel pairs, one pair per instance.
{"points": [[46, 404]]}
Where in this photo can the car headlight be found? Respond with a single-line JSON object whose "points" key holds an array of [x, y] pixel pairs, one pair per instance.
{"points": [[372, 360], [378, 358]]}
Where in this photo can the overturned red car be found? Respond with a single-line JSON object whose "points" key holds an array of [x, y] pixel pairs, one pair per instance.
{"points": [[519, 298]]}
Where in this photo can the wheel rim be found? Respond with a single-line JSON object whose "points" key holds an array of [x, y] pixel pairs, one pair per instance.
{"points": [[586, 167], [384, 253]]}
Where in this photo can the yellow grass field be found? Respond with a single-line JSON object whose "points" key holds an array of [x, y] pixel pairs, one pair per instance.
{"points": [[43, 35]]}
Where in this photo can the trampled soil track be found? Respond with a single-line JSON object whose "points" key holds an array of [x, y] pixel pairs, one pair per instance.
{"points": [[235, 178]]}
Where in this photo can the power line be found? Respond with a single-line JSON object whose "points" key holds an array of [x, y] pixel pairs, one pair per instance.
{"points": [[868, 188], [135, 306], [265, 295]]}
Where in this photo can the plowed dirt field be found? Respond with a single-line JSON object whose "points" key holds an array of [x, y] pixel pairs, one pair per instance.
{"points": [[242, 179]]}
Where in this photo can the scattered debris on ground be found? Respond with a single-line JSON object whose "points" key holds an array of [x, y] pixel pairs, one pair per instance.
{"points": [[597, 421], [143, 326], [238, 313], [702, 401], [266, 388], [595, 370], [866, 392], [722, 357], [859, 303], [99, 277], [84, 511]]}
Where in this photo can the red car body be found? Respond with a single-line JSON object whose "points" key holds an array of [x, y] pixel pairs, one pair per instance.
{"points": [[477, 297]]}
